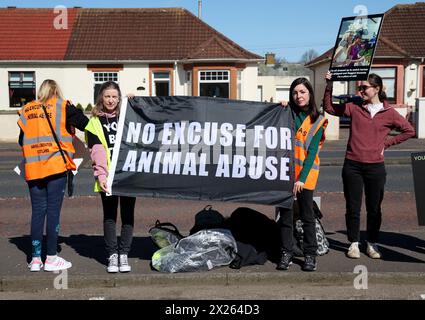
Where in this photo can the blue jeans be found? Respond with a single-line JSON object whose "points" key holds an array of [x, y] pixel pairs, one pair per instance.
{"points": [[46, 199]]}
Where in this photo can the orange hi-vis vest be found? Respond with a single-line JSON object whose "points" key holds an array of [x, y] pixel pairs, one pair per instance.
{"points": [[303, 139], [41, 153]]}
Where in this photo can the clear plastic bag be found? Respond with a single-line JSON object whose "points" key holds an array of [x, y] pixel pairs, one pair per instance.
{"points": [[201, 251]]}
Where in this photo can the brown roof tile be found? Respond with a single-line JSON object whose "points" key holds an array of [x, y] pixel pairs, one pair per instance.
{"points": [[113, 34], [29, 34], [404, 25]]}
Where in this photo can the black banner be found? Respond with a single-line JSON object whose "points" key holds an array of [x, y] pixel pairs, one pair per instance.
{"points": [[355, 47], [200, 148]]}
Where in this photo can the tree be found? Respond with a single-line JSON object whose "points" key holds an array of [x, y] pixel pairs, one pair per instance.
{"points": [[89, 107], [308, 56]]}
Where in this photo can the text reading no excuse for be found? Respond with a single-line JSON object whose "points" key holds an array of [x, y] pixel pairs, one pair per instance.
{"points": [[210, 134]]}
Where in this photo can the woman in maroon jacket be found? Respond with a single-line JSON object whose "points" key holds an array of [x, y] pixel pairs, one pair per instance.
{"points": [[370, 126]]}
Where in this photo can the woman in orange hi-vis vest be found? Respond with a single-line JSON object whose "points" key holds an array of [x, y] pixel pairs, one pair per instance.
{"points": [[45, 167], [309, 137]]}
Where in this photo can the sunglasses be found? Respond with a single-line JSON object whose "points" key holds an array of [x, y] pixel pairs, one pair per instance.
{"points": [[364, 87]]}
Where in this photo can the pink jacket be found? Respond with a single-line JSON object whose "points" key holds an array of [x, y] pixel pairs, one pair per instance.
{"points": [[369, 136], [98, 156]]}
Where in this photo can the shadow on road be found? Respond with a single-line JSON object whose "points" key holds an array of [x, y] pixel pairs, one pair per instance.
{"points": [[387, 239], [92, 247]]}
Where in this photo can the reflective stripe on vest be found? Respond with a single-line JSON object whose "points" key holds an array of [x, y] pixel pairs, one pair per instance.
{"points": [[303, 138], [95, 127], [41, 153]]}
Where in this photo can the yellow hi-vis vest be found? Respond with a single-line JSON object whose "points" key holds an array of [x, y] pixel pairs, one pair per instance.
{"points": [[95, 127], [303, 139], [41, 153]]}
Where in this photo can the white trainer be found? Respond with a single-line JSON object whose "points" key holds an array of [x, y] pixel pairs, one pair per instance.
{"points": [[36, 264], [56, 264], [124, 266], [373, 251], [353, 251], [113, 263]]}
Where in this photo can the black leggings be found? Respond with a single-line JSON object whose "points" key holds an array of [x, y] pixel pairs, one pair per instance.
{"points": [[110, 212]]}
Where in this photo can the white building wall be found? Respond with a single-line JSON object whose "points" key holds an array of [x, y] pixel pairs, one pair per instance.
{"points": [[132, 77], [180, 81], [249, 82], [268, 85], [411, 83], [77, 84]]}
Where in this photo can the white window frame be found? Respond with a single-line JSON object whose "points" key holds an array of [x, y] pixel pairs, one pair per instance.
{"points": [[213, 81], [106, 76], [154, 81]]}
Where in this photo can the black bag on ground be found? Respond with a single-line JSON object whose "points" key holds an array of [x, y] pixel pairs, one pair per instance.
{"points": [[247, 256], [322, 242], [254, 228], [207, 218]]}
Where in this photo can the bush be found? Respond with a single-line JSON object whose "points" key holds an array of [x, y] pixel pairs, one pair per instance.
{"points": [[89, 107], [79, 106]]}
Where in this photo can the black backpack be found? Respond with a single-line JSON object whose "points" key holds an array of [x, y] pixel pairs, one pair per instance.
{"points": [[207, 218], [256, 229]]}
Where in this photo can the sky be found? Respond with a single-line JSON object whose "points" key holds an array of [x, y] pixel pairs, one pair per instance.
{"points": [[286, 28]]}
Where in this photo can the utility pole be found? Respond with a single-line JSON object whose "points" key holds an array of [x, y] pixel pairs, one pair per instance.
{"points": [[200, 9]]}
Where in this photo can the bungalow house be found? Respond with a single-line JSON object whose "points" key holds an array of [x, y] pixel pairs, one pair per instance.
{"points": [[399, 60], [275, 78], [149, 52]]}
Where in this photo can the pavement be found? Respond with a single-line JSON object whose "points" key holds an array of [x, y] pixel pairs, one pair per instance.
{"points": [[81, 242]]}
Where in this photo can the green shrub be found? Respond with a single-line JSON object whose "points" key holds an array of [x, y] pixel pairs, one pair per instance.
{"points": [[79, 106], [89, 107]]}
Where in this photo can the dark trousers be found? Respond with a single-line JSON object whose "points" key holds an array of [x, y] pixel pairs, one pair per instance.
{"points": [[305, 204], [46, 201], [110, 212], [372, 176]]}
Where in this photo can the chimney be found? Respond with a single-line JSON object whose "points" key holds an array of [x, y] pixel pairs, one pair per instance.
{"points": [[270, 59], [200, 9]]}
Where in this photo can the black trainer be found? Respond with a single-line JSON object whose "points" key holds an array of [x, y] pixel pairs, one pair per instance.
{"points": [[310, 263], [285, 261]]}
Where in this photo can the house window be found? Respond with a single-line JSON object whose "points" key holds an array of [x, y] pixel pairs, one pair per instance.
{"points": [[161, 84], [100, 78], [214, 83], [21, 88], [389, 79]]}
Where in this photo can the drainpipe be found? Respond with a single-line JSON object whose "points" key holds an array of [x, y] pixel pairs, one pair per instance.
{"points": [[175, 78]]}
